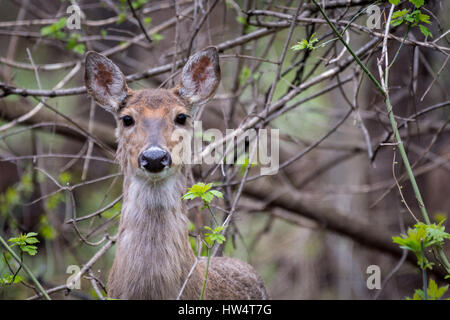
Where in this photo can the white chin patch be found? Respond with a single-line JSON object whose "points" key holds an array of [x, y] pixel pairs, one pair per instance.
{"points": [[154, 177], [156, 190]]}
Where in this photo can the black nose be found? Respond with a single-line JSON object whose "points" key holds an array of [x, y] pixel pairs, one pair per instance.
{"points": [[155, 159]]}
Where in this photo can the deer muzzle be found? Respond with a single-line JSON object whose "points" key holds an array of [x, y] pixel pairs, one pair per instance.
{"points": [[154, 159]]}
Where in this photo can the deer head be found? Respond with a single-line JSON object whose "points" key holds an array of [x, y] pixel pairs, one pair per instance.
{"points": [[147, 118]]}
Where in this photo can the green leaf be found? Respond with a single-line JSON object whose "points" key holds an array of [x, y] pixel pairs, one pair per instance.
{"points": [[157, 37], [244, 160], [306, 44], [425, 31], [31, 250], [52, 30], [216, 193], [410, 18], [17, 241], [12, 197], [395, 2], [31, 240], [24, 242], [121, 17], [137, 4], [399, 13], [17, 279], [47, 232], [436, 234], [53, 201], [65, 177], [189, 196], [396, 22], [147, 20], [79, 48], [241, 20], [419, 295], [46, 31], [431, 235], [207, 197], [417, 3], [434, 292], [111, 212], [439, 217], [8, 279], [300, 45], [201, 190], [26, 183], [219, 229], [215, 235], [243, 76], [424, 18], [45, 229]]}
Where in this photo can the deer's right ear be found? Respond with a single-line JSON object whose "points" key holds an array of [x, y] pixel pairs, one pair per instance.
{"points": [[104, 81], [200, 77]]}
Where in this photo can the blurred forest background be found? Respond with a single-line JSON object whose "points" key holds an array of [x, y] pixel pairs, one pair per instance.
{"points": [[311, 230]]}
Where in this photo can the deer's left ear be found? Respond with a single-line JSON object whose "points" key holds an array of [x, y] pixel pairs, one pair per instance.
{"points": [[200, 77], [104, 81]]}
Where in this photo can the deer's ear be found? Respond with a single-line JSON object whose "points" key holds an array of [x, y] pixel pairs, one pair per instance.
{"points": [[200, 77], [104, 81]]}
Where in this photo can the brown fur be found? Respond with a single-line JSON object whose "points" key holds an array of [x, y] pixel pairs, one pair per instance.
{"points": [[153, 254]]}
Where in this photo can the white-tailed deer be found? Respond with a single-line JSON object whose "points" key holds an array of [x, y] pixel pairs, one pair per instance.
{"points": [[153, 254]]}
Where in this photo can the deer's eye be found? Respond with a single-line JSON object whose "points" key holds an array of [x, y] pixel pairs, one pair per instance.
{"points": [[127, 121], [181, 118]]}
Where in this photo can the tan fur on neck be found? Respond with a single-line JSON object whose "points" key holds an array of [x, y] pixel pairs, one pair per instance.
{"points": [[154, 256]]}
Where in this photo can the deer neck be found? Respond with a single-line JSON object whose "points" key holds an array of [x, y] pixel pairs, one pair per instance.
{"points": [[153, 254]]}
